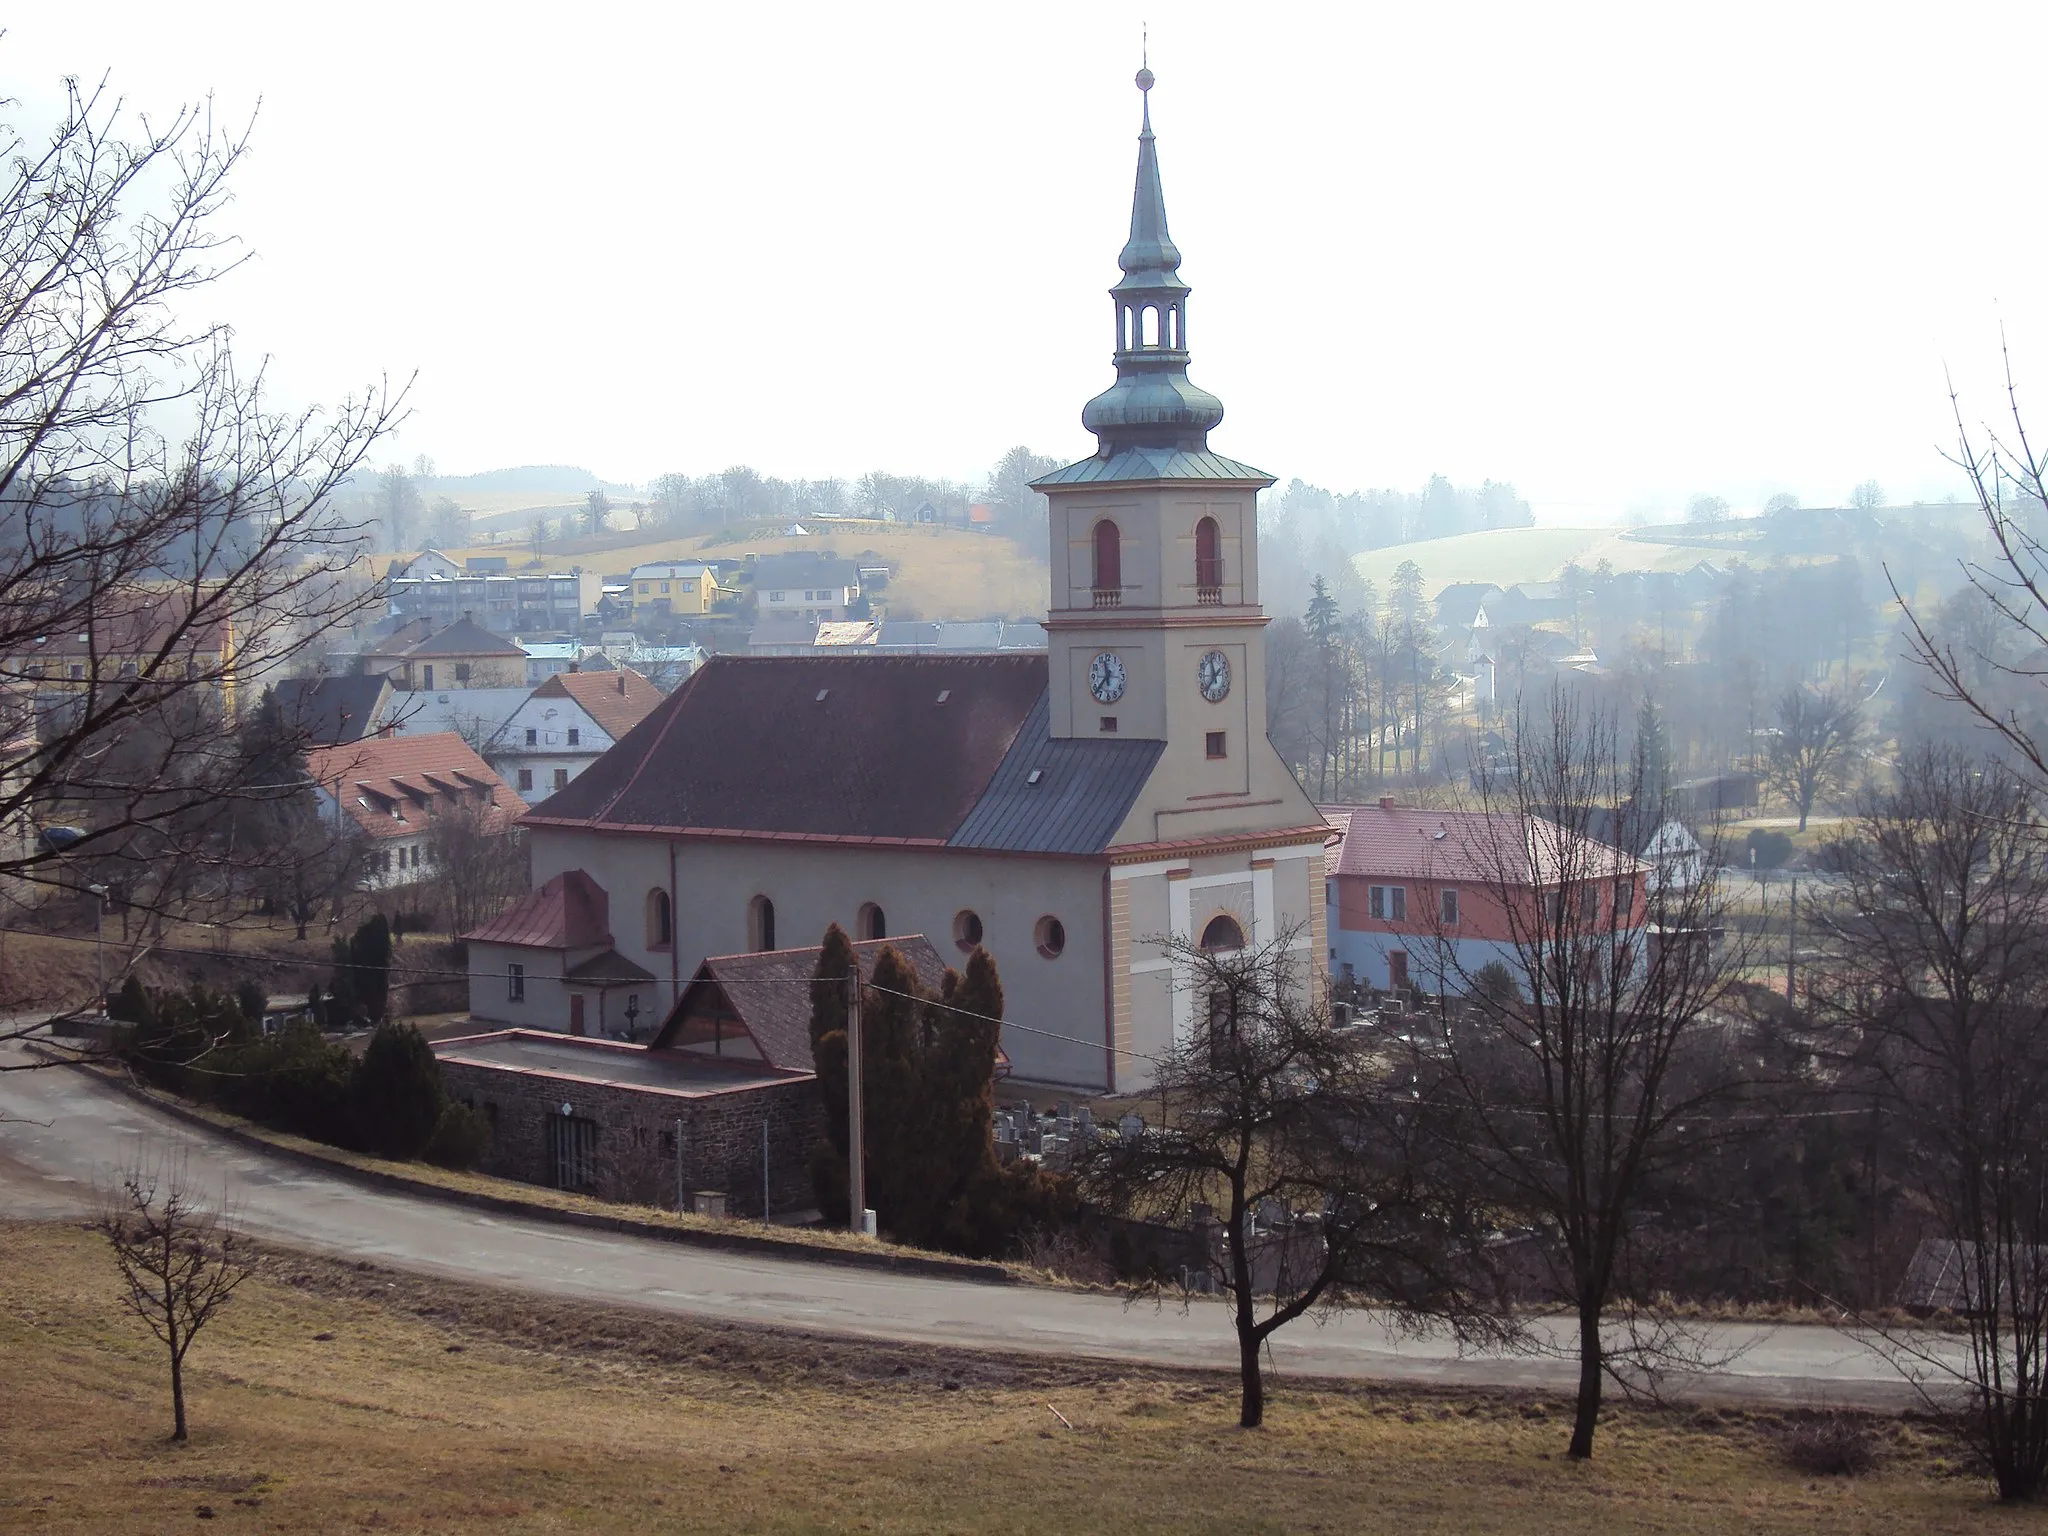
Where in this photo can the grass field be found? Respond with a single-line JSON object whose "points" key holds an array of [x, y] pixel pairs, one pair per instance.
{"points": [[940, 573], [334, 1396]]}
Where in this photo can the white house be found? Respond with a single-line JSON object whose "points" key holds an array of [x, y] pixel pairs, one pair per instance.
{"points": [[565, 725], [393, 785]]}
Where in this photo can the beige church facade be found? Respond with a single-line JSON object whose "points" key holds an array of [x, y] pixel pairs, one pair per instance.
{"points": [[1076, 812]]}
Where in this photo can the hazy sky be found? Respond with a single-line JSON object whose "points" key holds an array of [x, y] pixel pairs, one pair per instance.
{"points": [[1617, 255]]}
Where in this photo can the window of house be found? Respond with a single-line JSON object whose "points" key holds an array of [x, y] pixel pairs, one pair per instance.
{"points": [[384, 861], [664, 587], [526, 778], [966, 929], [561, 778], [1447, 907], [515, 983], [575, 735], [1216, 744], [532, 736], [871, 923], [1109, 722], [1624, 902], [760, 924], [1388, 902], [462, 671], [1589, 904], [643, 589], [1051, 936], [659, 919], [774, 597], [77, 670]]}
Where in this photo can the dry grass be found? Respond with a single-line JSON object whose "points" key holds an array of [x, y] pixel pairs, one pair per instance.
{"points": [[336, 1397]]}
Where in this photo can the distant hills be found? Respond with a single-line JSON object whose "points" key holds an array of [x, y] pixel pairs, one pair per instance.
{"points": [[527, 479]]}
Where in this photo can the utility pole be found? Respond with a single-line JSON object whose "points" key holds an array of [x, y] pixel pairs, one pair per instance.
{"points": [[99, 944], [680, 1205], [1791, 940], [856, 1177], [765, 1212]]}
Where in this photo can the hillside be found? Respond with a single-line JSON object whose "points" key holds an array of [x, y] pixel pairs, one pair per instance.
{"points": [[1508, 555], [940, 573]]}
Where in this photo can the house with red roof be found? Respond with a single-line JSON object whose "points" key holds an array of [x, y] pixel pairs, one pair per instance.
{"points": [[1426, 899], [392, 786]]}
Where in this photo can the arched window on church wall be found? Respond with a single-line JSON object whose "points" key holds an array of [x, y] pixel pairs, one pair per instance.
{"points": [[760, 924], [1109, 565], [1222, 934], [1209, 561], [660, 928], [871, 923]]}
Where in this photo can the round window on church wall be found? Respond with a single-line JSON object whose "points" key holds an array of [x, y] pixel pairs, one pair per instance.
{"points": [[1051, 935], [966, 929]]}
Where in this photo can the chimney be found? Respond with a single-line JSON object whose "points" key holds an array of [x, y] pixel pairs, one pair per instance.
{"points": [[1386, 802], [622, 683]]}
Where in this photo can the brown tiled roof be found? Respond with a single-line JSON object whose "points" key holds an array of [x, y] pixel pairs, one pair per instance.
{"points": [[571, 911], [897, 748], [617, 700], [770, 993], [465, 637], [416, 776]]}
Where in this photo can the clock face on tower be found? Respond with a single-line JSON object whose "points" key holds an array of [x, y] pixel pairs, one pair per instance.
{"points": [[1106, 677], [1213, 673]]}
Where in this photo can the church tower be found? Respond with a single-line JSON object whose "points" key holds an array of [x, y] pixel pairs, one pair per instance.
{"points": [[1155, 630]]}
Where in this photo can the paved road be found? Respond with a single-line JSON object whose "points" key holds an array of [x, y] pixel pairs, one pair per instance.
{"points": [[62, 1134]]}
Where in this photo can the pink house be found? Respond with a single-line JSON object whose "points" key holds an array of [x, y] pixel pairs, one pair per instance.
{"points": [[1427, 898]]}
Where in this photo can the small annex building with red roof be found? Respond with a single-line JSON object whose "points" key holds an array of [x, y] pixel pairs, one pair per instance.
{"points": [[548, 960], [1420, 898]]}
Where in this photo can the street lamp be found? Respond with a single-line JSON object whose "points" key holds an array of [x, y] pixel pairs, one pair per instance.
{"points": [[99, 943]]}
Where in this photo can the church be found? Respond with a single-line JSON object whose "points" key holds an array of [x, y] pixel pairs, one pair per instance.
{"points": [[1076, 812]]}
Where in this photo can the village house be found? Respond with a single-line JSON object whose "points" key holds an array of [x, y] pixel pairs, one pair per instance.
{"points": [[331, 709], [430, 588], [1087, 813], [804, 586], [393, 785], [565, 725], [137, 637], [1427, 899], [667, 589], [464, 655]]}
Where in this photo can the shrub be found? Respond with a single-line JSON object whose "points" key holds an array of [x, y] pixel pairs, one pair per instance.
{"points": [[296, 1081], [251, 999], [398, 1095], [1771, 847], [131, 1005], [1830, 1445], [461, 1139]]}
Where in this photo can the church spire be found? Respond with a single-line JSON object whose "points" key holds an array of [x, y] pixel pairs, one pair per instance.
{"points": [[1152, 404]]}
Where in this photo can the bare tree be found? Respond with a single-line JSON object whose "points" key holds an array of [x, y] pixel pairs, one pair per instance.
{"points": [[1574, 1099], [1936, 1005], [1998, 683], [478, 858], [165, 537], [1818, 730], [449, 524], [181, 1262], [1289, 1133]]}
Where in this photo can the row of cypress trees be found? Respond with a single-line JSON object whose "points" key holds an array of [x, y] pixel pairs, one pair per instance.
{"points": [[927, 1089]]}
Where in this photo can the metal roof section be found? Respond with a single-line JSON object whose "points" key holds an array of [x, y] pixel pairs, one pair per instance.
{"points": [[1057, 796], [1140, 465]]}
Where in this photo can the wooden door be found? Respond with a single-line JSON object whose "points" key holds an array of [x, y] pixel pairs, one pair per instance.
{"points": [[575, 1013], [1397, 971]]}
